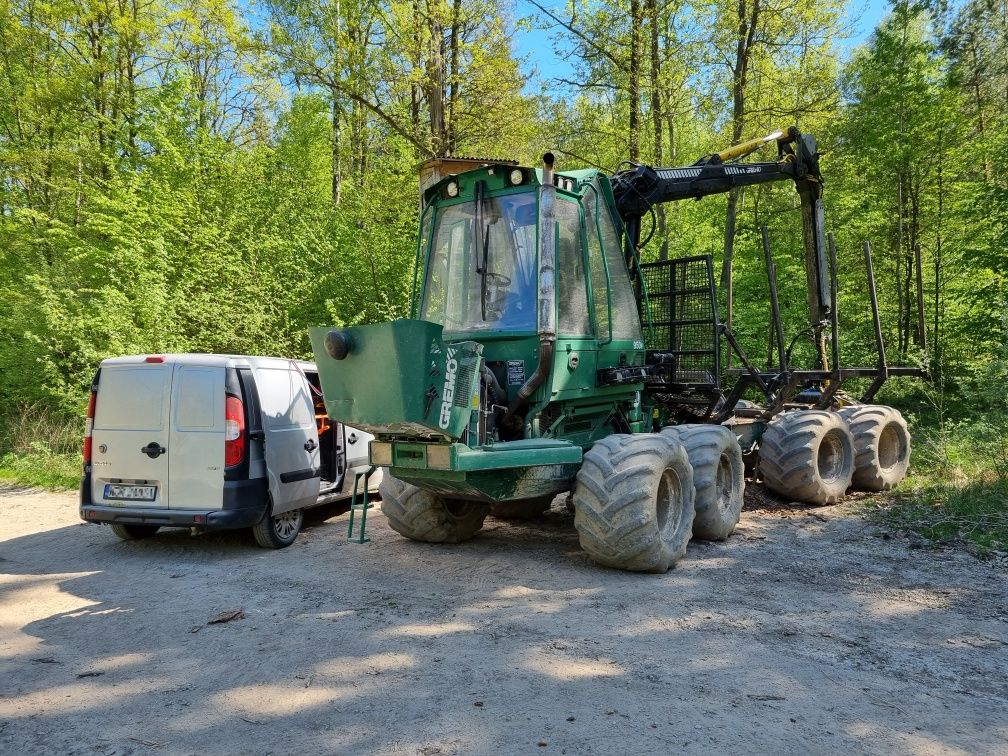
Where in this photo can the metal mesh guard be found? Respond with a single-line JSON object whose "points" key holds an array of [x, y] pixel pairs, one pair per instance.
{"points": [[684, 316]]}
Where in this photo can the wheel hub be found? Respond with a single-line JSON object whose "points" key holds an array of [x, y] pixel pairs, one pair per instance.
{"points": [[286, 524]]}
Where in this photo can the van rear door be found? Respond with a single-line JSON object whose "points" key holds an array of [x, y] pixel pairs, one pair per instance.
{"points": [[291, 443], [196, 439], [130, 440]]}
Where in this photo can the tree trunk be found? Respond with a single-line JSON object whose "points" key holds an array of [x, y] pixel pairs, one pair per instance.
{"points": [[978, 98], [435, 85], [936, 340], [634, 91], [898, 258], [656, 120], [746, 32], [414, 87], [453, 78], [337, 172]]}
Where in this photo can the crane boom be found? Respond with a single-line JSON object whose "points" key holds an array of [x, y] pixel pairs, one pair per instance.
{"points": [[638, 188]]}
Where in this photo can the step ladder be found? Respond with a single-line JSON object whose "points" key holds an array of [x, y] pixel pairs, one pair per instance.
{"points": [[363, 507]]}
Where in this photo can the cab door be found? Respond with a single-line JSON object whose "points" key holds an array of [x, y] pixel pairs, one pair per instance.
{"points": [[574, 358], [614, 307], [290, 443]]}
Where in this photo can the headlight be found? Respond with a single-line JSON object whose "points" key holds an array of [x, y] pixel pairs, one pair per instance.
{"points": [[381, 454], [516, 177], [439, 456], [452, 189]]}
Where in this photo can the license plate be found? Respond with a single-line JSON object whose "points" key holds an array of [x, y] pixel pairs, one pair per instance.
{"points": [[130, 493]]}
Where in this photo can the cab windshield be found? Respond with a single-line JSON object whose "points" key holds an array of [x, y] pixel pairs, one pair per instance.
{"points": [[481, 272]]}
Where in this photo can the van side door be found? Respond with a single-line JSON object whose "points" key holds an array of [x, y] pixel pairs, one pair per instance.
{"points": [[290, 441]]}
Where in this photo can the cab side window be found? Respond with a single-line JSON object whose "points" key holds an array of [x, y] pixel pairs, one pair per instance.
{"points": [[596, 268], [604, 240], [572, 294]]}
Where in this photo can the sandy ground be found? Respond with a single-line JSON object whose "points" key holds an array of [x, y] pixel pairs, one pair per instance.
{"points": [[805, 632]]}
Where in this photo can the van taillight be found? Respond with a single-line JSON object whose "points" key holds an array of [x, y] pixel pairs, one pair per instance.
{"points": [[234, 431], [89, 426]]}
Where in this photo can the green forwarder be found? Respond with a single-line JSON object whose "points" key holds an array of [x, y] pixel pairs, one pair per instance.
{"points": [[533, 362]]}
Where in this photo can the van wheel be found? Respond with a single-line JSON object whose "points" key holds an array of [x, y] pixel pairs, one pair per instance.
{"points": [[133, 532], [280, 531]]}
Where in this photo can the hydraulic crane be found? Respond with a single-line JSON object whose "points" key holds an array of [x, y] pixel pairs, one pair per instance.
{"points": [[639, 188]]}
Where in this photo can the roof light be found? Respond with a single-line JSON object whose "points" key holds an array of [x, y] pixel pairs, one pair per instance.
{"points": [[155, 358], [516, 177], [452, 189]]}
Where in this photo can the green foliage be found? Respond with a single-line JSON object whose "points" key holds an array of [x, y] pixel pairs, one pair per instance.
{"points": [[39, 448], [959, 488]]}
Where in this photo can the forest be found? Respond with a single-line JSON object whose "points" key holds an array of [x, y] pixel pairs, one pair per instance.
{"points": [[204, 175]]}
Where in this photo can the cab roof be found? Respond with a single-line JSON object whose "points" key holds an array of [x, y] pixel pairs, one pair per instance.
{"points": [[498, 176]]}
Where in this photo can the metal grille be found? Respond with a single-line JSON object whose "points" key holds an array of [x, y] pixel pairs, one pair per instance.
{"points": [[468, 357], [684, 317], [464, 382]]}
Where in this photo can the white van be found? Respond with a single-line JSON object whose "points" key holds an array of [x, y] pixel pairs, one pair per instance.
{"points": [[213, 442]]}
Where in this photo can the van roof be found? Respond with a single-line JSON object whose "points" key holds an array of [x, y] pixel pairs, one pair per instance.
{"points": [[209, 360]]}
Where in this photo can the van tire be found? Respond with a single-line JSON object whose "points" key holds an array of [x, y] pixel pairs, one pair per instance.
{"points": [[422, 515], [280, 531], [130, 532]]}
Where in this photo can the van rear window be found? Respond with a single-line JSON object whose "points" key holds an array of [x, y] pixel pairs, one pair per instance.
{"points": [[132, 397], [199, 398]]}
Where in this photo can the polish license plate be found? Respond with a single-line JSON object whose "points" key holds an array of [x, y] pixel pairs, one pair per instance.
{"points": [[125, 492]]}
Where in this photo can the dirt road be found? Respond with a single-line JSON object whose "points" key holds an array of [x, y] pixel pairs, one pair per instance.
{"points": [[804, 632]]}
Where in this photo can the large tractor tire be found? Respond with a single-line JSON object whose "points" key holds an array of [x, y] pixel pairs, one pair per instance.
{"points": [[808, 455], [718, 477], [633, 502], [423, 515], [881, 446], [525, 509]]}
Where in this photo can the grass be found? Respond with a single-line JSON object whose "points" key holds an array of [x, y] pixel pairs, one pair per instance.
{"points": [[958, 489], [39, 448]]}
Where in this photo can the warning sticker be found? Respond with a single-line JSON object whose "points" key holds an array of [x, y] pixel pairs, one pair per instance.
{"points": [[516, 372]]}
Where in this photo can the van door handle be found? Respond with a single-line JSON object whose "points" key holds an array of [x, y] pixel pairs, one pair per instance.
{"points": [[310, 445], [153, 450], [353, 438]]}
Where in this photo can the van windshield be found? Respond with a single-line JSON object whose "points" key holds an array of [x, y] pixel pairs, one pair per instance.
{"points": [[483, 278]]}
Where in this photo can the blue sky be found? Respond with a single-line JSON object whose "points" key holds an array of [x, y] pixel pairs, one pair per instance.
{"points": [[862, 16]]}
